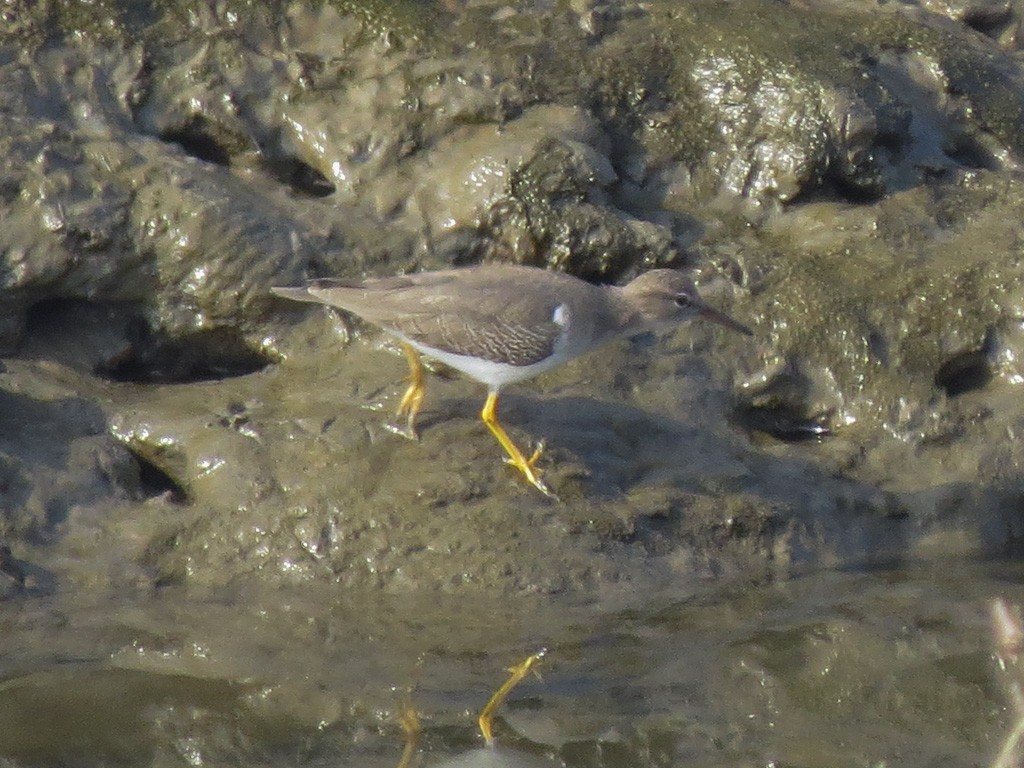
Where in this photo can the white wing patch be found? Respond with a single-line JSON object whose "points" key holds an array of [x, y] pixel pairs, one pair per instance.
{"points": [[560, 316]]}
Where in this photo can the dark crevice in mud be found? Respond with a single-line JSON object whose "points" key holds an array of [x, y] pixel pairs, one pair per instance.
{"points": [[964, 372], [859, 193], [968, 152], [152, 358], [204, 140], [893, 143], [970, 369], [199, 140], [156, 483], [301, 177], [878, 348], [76, 331], [989, 20], [54, 312], [835, 187], [10, 567], [783, 422]]}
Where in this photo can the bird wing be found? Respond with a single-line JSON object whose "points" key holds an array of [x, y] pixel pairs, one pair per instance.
{"points": [[487, 324]]}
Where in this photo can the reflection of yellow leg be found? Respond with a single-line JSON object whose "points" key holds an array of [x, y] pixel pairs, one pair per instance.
{"points": [[412, 400], [518, 672], [515, 457], [411, 725]]}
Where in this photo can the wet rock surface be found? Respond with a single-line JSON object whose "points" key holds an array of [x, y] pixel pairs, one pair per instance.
{"points": [[842, 177]]}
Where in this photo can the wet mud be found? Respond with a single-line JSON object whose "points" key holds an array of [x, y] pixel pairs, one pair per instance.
{"points": [[770, 549]]}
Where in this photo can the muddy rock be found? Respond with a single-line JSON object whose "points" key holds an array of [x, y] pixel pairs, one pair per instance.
{"points": [[854, 203], [774, 549]]}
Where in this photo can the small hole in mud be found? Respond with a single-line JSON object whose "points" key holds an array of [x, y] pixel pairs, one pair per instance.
{"points": [[782, 422], [155, 482], [196, 138], [964, 373], [878, 348], [301, 177], [856, 177], [206, 356]]}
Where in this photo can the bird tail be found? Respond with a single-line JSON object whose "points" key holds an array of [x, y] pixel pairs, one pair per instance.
{"points": [[295, 294]]}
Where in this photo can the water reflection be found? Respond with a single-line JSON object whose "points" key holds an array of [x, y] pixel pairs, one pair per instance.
{"points": [[840, 668]]}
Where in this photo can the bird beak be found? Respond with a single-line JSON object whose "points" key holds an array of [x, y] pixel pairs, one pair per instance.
{"points": [[716, 316]]}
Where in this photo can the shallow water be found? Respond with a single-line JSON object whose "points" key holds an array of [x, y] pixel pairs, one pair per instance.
{"points": [[888, 666]]}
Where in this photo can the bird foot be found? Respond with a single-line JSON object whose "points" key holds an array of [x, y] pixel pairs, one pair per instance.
{"points": [[408, 431], [537, 451], [531, 472], [530, 462], [409, 409]]}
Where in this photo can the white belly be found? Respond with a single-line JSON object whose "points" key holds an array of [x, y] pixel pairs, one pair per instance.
{"points": [[494, 375]]}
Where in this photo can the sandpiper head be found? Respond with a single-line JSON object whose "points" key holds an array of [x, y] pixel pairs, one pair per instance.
{"points": [[667, 296]]}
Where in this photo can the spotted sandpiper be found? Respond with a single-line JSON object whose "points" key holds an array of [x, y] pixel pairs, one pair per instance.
{"points": [[502, 323]]}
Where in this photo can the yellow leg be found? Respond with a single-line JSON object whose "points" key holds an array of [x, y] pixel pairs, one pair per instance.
{"points": [[518, 672], [515, 457], [412, 400], [411, 725]]}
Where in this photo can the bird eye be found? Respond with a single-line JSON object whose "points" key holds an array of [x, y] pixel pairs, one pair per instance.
{"points": [[682, 300]]}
